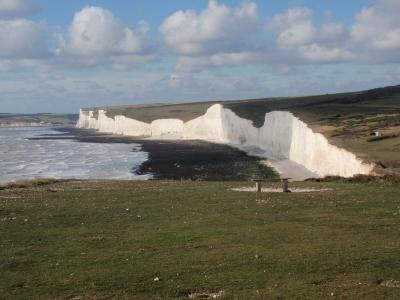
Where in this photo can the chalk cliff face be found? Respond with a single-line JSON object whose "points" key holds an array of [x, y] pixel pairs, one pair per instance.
{"points": [[165, 127], [283, 136]]}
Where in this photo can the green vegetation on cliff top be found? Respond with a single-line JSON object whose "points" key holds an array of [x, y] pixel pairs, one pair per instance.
{"points": [[53, 119]]}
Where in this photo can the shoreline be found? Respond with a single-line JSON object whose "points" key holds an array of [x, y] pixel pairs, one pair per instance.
{"points": [[185, 159], [27, 125], [46, 153]]}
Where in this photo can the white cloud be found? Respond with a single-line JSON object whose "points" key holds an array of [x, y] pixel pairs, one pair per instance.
{"points": [[124, 62], [332, 32], [303, 42], [201, 39], [218, 28], [374, 35], [21, 38], [299, 34], [222, 35], [293, 28], [14, 8], [315, 53], [282, 21], [378, 26], [95, 36], [198, 63]]}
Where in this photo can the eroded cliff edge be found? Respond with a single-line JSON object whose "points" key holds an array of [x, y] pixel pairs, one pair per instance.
{"points": [[284, 140]]}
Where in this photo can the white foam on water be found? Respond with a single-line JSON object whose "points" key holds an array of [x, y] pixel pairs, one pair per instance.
{"points": [[22, 158]]}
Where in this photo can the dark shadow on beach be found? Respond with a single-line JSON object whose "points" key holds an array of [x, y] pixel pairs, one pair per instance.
{"points": [[183, 159]]}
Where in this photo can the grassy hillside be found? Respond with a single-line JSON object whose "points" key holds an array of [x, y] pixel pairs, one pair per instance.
{"points": [[169, 240], [346, 119], [38, 118], [311, 108]]}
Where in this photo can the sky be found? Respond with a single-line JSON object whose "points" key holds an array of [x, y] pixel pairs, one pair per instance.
{"points": [[59, 56]]}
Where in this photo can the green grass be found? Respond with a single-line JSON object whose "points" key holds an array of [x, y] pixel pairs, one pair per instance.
{"points": [[105, 240], [67, 119], [58, 119]]}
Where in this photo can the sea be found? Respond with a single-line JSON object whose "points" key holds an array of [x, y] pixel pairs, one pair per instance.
{"points": [[44, 152]]}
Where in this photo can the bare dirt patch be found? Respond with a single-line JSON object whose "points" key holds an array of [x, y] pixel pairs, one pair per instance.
{"points": [[390, 283], [206, 295], [275, 190]]}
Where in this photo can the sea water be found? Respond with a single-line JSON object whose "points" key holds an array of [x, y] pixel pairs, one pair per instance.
{"points": [[24, 155]]}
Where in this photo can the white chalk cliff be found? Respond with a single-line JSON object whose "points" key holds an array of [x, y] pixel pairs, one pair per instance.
{"points": [[284, 140]]}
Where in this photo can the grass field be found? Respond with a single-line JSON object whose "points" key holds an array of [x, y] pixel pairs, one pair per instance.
{"points": [[169, 240]]}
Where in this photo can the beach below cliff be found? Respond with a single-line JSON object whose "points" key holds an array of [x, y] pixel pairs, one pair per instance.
{"points": [[185, 159]]}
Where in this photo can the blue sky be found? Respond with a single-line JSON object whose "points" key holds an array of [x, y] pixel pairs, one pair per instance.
{"points": [[60, 13], [58, 56]]}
